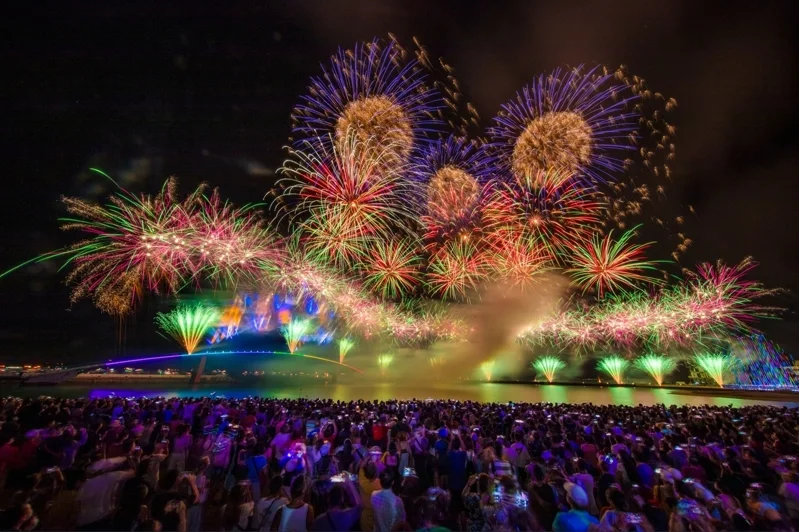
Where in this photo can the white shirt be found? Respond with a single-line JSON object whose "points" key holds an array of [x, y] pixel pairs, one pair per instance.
{"points": [[388, 510], [98, 496]]}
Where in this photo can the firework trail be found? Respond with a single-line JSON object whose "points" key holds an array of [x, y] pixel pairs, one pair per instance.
{"points": [[487, 368], [547, 366], [718, 367], [188, 324], [375, 93], [383, 362], [294, 332], [709, 303], [608, 265], [658, 366], [345, 345], [614, 366], [578, 120]]}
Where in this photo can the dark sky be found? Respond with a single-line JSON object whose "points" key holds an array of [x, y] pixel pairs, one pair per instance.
{"points": [[204, 94]]}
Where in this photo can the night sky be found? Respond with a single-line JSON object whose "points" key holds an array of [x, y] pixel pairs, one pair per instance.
{"points": [[206, 94]]}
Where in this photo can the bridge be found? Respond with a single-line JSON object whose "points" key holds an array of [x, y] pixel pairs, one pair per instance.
{"points": [[59, 376]]}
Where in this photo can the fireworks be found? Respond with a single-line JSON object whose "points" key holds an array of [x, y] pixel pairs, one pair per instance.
{"points": [[188, 324], [456, 270], [344, 347], [577, 121], [487, 368], [373, 93], [386, 216], [657, 366], [157, 243], [608, 265], [614, 366], [709, 303], [717, 367], [549, 207], [548, 366], [392, 269], [294, 332], [348, 200], [383, 362], [454, 171]]}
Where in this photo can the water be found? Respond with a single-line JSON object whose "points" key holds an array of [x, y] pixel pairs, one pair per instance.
{"points": [[479, 391]]}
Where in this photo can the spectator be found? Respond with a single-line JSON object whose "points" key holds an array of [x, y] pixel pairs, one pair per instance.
{"points": [[387, 507], [577, 518]]}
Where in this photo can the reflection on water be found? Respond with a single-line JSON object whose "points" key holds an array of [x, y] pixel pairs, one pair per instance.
{"points": [[485, 392]]}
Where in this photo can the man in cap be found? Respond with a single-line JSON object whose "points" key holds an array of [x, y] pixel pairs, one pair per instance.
{"points": [[577, 519]]}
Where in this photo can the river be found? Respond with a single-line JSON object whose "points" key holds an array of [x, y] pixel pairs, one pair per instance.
{"points": [[479, 391]]}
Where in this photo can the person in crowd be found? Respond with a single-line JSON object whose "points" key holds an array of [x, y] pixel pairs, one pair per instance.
{"points": [[387, 508], [109, 463], [577, 518]]}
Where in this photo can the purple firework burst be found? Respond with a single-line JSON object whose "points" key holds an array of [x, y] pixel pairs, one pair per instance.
{"points": [[576, 121]]}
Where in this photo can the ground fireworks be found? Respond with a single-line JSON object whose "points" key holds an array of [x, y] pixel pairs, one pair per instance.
{"points": [[383, 362], [547, 366], [717, 366], [294, 332], [614, 367], [188, 324], [487, 368], [345, 345], [658, 366]]}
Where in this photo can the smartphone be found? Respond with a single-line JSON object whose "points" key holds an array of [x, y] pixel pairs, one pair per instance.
{"points": [[52, 469], [409, 472]]}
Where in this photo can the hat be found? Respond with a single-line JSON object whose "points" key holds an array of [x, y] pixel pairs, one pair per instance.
{"points": [[576, 494], [325, 450]]}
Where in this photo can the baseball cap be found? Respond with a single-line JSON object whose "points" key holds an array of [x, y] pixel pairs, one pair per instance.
{"points": [[576, 494]]}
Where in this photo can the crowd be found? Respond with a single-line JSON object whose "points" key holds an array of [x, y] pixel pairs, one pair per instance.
{"points": [[292, 465]]}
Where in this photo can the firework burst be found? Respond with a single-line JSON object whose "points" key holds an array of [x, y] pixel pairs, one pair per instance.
{"points": [[717, 367], [374, 93], [547, 366], [188, 324], [392, 269], [578, 120], [614, 367], [454, 172], [710, 303], [294, 333], [658, 366], [608, 265], [456, 270], [347, 200], [550, 207]]}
